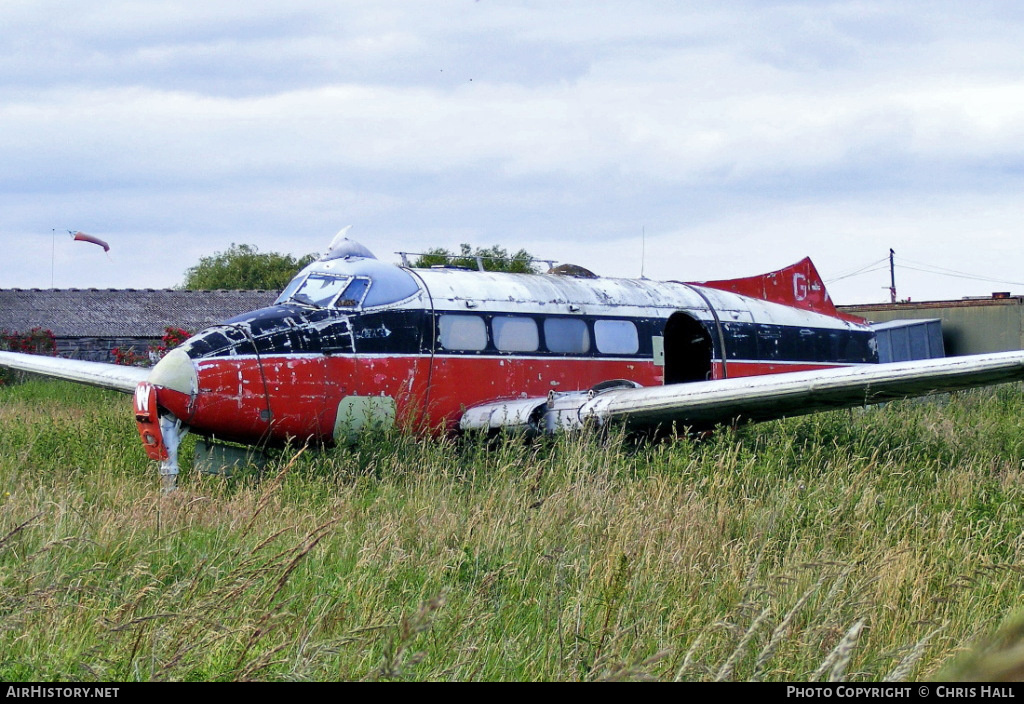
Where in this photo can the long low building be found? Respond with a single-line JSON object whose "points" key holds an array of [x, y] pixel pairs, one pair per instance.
{"points": [[90, 323], [969, 325]]}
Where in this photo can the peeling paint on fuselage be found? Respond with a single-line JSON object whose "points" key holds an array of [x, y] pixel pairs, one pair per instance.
{"points": [[292, 364]]}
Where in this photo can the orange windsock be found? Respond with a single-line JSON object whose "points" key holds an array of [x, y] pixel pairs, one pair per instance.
{"points": [[82, 237]]}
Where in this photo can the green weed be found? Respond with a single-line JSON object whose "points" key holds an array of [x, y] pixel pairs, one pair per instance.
{"points": [[861, 545]]}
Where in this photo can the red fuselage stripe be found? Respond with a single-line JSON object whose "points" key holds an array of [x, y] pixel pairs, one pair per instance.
{"points": [[305, 390]]}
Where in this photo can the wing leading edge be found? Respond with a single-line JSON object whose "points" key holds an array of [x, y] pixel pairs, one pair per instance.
{"points": [[702, 405], [108, 376]]}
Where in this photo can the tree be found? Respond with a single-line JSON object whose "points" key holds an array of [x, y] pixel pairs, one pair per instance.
{"points": [[243, 266], [494, 258]]}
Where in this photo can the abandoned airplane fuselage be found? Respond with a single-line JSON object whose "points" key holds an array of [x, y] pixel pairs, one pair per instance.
{"points": [[353, 338]]}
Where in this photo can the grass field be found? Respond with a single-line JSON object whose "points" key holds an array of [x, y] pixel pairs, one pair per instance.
{"points": [[865, 545]]}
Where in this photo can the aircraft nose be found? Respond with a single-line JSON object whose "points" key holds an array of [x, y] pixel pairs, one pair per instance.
{"points": [[176, 372]]}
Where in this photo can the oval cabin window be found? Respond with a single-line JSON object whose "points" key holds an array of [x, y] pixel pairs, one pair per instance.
{"points": [[515, 334], [616, 337], [463, 332]]}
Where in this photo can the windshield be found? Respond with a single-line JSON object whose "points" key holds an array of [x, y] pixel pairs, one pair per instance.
{"points": [[353, 294], [356, 284], [318, 290], [325, 290]]}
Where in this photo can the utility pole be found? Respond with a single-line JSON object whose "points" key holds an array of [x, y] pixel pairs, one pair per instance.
{"points": [[892, 277]]}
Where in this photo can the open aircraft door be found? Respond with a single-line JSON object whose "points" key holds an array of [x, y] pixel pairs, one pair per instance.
{"points": [[688, 350]]}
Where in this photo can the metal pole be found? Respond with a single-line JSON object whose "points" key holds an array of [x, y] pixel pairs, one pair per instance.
{"points": [[892, 277]]}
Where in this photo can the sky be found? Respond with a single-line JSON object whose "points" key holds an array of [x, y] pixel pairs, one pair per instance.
{"points": [[669, 139]]}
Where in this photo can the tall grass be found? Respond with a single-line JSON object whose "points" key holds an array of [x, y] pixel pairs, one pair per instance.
{"points": [[866, 545]]}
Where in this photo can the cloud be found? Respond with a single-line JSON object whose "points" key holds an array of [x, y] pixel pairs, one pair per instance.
{"points": [[564, 126]]}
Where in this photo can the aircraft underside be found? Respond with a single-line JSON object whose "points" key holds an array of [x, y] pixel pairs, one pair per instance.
{"points": [[275, 399]]}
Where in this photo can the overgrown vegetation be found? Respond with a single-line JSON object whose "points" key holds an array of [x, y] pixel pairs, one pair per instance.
{"points": [[495, 258], [243, 266], [173, 337], [853, 546], [36, 341]]}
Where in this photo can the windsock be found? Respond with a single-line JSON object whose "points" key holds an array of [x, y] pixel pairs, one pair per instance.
{"points": [[82, 237]]}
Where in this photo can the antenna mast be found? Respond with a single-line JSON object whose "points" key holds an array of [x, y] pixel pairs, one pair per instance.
{"points": [[643, 249]]}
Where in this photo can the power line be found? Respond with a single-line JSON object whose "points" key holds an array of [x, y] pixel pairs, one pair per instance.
{"points": [[878, 266], [904, 263], [962, 275]]}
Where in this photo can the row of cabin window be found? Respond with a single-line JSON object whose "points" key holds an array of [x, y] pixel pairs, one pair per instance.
{"points": [[516, 333]]}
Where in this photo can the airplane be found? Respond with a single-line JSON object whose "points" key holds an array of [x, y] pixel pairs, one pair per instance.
{"points": [[353, 340]]}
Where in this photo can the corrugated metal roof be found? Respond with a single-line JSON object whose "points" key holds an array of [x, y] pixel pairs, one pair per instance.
{"points": [[122, 312]]}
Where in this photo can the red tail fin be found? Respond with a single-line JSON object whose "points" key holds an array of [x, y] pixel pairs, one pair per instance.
{"points": [[798, 285]]}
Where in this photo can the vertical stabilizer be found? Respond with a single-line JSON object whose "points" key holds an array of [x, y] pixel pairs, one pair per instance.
{"points": [[798, 285]]}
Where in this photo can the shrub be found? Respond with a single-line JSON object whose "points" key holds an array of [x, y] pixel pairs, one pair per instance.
{"points": [[36, 341], [173, 336]]}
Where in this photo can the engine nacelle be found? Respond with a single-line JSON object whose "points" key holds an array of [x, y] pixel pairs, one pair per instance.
{"points": [[559, 411]]}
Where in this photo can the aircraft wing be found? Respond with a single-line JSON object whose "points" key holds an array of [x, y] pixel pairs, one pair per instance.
{"points": [[702, 405], [109, 376]]}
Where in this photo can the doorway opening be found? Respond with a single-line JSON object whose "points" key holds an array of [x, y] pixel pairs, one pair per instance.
{"points": [[688, 350]]}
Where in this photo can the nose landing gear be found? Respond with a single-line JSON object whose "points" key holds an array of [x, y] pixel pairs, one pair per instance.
{"points": [[161, 434]]}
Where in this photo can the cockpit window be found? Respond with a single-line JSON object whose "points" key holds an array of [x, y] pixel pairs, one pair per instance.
{"points": [[319, 290], [353, 294], [289, 290], [337, 283], [325, 290]]}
